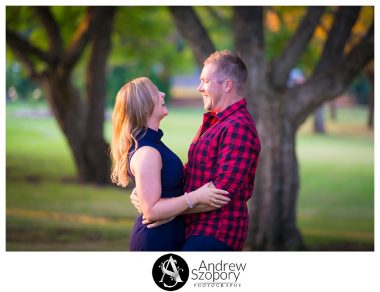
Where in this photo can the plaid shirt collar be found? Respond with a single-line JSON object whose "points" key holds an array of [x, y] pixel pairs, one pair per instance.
{"points": [[211, 118], [217, 117]]}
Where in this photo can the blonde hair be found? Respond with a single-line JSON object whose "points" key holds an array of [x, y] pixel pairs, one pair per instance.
{"points": [[134, 105]]}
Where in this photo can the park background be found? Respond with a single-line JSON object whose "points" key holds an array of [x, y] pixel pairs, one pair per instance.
{"points": [[49, 206]]}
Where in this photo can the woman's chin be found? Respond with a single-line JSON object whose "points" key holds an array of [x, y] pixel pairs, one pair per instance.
{"points": [[166, 112], [164, 115]]}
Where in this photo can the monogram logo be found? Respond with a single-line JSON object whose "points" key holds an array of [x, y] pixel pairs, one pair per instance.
{"points": [[170, 272]]}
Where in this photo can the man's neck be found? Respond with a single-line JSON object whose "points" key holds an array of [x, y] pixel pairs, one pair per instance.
{"points": [[229, 102]]}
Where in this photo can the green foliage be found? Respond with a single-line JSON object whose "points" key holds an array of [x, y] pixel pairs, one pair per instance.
{"points": [[144, 40], [145, 43], [68, 19], [281, 24], [360, 87], [23, 20], [217, 21]]}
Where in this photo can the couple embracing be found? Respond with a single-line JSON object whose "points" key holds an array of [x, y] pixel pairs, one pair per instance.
{"points": [[201, 206]]}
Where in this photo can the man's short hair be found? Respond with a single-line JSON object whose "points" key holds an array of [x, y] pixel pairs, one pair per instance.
{"points": [[231, 65]]}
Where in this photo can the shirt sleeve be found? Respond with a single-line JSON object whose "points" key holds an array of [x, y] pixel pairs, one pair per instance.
{"points": [[238, 152]]}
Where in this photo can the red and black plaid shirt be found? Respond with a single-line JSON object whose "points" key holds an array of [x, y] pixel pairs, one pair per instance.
{"points": [[225, 151]]}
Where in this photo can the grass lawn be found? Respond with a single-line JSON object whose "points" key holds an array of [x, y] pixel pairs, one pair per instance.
{"points": [[48, 210]]}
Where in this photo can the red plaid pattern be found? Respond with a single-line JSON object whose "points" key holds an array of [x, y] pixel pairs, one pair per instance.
{"points": [[225, 150]]}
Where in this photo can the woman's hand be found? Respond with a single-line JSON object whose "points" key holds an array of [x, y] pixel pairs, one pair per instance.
{"points": [[209, 195], [156, 223], [135, 200]]}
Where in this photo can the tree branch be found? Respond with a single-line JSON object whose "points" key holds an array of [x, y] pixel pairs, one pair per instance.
{"points": [[81, 38], [340, 32], [54, 34], [248, 29], [290, 56], [96, 75], [22, 56], [23, 50], [249, 42], [219, 19], [197, 37], [332, 82]]}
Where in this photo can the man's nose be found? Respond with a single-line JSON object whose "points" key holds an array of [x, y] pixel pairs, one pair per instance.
{"points": [[200, 87]]}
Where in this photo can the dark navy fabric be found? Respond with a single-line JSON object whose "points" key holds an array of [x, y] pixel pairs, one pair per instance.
{"points": [[169, 236], [204, 243]]}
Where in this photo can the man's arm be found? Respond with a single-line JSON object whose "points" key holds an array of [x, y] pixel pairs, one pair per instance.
{"points": [[238, 151]]}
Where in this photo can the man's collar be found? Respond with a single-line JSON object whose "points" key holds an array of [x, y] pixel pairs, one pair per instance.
{"points": [[228, 111]]}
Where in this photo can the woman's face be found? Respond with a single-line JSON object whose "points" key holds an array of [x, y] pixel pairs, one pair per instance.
{"points": [[160, 109]]}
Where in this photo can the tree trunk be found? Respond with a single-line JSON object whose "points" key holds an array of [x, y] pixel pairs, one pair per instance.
{"points": [[319, 121], [95, 148], [332, 106], [371, 104], [69, 111], [369, 72], [191, 29], [273, 222], [81, 120]]}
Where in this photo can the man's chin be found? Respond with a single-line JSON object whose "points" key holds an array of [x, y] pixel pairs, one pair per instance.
{"points": [[207, 107]]}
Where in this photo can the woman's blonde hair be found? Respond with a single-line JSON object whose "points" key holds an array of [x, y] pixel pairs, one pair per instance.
{"points": [[133, 106]]}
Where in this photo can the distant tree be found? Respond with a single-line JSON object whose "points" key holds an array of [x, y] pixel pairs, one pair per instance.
{"points": [[16, 81], [67, 52], [49, 56], [357, 31], [279, 110], [369, 71]]}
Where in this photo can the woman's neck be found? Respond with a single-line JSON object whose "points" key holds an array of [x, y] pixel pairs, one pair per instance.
{"points": [[154, 125]]}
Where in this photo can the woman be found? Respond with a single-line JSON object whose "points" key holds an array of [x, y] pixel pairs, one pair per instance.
{"points": [[138, 153]]}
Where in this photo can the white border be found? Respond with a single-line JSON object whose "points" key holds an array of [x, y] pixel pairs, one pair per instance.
{"points": [[128, 271]]}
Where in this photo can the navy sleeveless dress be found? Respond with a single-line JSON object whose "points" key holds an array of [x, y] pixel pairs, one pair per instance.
{"points": [[169, 236]]}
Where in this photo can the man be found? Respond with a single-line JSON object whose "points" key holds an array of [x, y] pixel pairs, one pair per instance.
{"points": [[224, 151]]}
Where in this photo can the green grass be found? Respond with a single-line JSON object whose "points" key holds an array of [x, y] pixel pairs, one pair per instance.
{"points": [[336, 200], [48, 210]]}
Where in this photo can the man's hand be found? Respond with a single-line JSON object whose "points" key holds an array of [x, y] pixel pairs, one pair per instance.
{"points": [[135, 200], [156, 223]]}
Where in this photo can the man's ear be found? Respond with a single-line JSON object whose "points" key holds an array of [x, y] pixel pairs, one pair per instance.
{"points": [[228, 83]]}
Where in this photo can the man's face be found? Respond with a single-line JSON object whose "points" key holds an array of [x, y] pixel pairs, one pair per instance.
{"points": [[211, 88]]}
